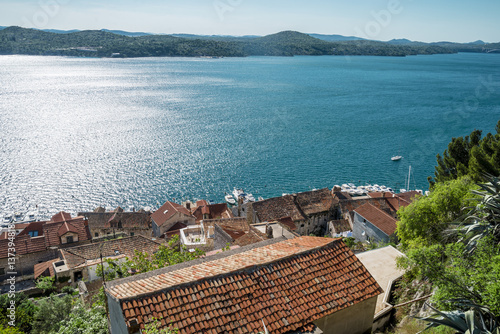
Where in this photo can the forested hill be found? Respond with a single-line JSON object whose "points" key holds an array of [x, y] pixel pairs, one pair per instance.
{"points": [[100, 43]]}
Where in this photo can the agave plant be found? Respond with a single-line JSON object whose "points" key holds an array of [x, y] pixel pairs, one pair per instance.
{"points": [[484, 219], [476, 319]]}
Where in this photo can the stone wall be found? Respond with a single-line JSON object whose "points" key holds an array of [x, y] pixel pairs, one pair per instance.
{"points": [[221, 238], [25, 263], [363, 231], [356, 319]]}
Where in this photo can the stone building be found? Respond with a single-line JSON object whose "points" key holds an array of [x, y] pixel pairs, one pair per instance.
{"points": [[373, 225], [40, 241], [310, 211], [81, 262], [118, 222], [171, 216]]}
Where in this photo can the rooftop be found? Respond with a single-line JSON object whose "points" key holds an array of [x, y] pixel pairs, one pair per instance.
{"points": [[381, 263], [288, 283], [168, 210], [277, 207], [315, 201], [377, 217], [75, 256]]}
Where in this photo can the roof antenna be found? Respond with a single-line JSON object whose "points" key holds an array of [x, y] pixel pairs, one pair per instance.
{"points": [[265, 329]]}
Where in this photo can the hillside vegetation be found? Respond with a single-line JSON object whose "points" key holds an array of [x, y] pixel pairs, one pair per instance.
{"points": [[100, 43]]}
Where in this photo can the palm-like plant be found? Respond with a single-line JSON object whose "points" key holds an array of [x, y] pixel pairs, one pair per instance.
{"points": [[484, 219], [476, 319]]}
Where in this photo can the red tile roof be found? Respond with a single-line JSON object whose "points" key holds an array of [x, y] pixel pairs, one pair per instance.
{"points": [[48, 236], [65, 228], [60, 217], [45, 268], [77, 225], [288, 222], [166, 211], [409, 196], [289, 284], [214, 211], [377, 217], [201, 202]]}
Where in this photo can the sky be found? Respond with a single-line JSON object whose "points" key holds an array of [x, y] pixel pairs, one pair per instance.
{"points": [[417, 20]]}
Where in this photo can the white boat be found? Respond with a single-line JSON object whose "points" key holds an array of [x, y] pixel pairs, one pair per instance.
{"points": [[7, 218], [230, 199], [396, 158], [250, 197], [30, 217], [261, 198], [18, 216], [237, 193]]}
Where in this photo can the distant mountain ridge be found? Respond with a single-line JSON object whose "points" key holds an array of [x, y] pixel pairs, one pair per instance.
{"points": [[118, 43]]}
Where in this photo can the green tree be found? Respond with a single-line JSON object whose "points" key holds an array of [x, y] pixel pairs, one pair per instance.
{"points": [[46, 284], [85, 321], [423, 221], [469, 155], [9, 330], [25, 311], [457, 276], [167, 255], [50, 313]]}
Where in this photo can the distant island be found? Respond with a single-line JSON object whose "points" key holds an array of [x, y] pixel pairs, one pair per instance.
{"points": [[106, 43]]}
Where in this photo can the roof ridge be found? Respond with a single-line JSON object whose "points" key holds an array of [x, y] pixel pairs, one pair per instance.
{"points": [[217, 275]]}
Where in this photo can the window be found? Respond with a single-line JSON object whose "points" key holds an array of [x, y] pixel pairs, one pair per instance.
{"points": [[120, 224], [2, 271], [33, 233], [96, 235], [69, 239], [132, 234]]}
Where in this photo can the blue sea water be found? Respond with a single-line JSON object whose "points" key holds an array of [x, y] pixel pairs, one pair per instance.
{"points": [[78, 133]]}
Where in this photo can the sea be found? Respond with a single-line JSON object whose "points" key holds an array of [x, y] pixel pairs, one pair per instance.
{"points": [[77, 133]]}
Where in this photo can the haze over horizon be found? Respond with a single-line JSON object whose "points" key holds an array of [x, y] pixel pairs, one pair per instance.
{"points": [[426, 21]]}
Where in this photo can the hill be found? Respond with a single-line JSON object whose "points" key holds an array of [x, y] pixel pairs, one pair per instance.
{"points": [[105, 43]]}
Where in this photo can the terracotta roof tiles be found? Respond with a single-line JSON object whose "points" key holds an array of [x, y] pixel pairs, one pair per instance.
{"points": [[45, 267], [289, 283], [377, 217], [166, 211]]}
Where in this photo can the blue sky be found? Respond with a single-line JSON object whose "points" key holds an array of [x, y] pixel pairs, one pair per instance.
{"points": [[419, 20]]}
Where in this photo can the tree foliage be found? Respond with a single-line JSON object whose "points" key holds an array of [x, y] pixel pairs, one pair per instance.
{"points": [[470, 155], [423, 221], [50, 312], [85, 321], [45, 283], [16, 40], [472, 277], [25, 311], [167, 255]]}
